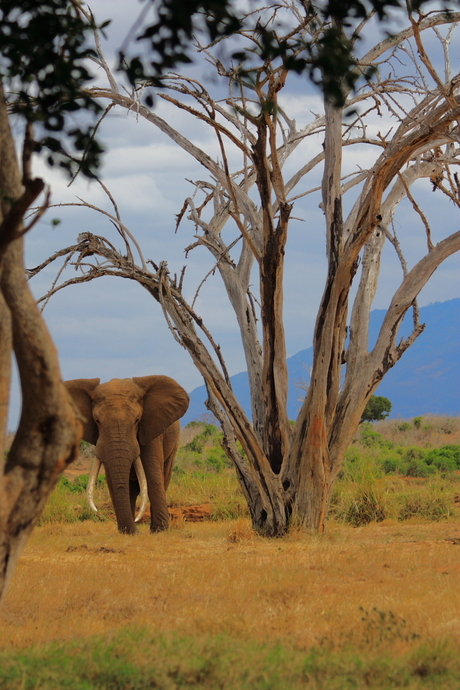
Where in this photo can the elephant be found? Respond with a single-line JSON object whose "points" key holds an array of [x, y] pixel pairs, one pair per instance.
{"points": [[128, 419]]}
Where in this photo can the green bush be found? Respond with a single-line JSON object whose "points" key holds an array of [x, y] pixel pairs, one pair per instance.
{"points": [[369, 437], [216, 459], [178, 471], [412, 463], [416, 468], [196, 446], [413, 453], [445, 459], [391, 465], [80, 483], [209, 430]]}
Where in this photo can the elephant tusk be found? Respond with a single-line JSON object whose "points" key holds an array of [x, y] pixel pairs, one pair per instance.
{"points": [[93, 474], [143, 487]]}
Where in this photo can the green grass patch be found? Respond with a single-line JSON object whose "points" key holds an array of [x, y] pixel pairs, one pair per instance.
{"points": [[140, 660], [68, 502], [365, 493]]}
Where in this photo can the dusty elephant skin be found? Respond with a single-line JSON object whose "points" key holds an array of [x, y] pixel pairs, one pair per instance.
{"points": [[127, 419]]}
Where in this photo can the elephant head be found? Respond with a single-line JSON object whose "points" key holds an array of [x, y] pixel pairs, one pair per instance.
{"points": [[127, 419]]}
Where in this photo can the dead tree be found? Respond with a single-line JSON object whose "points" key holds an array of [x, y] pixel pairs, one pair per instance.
{"points": [[288, 472]]}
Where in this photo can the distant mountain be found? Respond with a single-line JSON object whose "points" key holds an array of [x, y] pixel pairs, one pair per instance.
{"points": [[425, 380]]}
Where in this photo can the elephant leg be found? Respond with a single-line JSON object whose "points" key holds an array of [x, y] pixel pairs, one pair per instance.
{"points": [[152, 457], [134, 490], [171, 439], [169, 462]]}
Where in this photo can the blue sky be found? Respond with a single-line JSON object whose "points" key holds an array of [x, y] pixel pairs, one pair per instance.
{"points": [[113, 328]]}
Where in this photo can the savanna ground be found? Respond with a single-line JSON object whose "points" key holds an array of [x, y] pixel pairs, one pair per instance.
{"points": [[372, 603]]}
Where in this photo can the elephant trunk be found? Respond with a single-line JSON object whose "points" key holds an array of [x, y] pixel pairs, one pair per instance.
{"points": [[118, 451], [118, 483]]}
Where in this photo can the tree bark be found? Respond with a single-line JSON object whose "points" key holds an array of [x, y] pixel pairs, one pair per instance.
{"points": [[49, 431]]}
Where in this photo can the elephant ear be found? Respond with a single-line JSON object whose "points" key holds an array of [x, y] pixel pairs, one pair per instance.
{"points": [[80, 391], [164, 403]]}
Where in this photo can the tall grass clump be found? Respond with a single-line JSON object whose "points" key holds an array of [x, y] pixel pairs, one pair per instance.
{"points": [[434, 501], [359, 495]]}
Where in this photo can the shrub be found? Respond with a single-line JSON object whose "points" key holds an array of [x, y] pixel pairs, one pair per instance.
{"points": [[196, 446], [216, 459], [445, 459], [416, 468], [369, 437], [391, 465], [404, 426], [364, 506], [413, 453], [80, 483], [209, 430], [352, 454], [413, 463]]}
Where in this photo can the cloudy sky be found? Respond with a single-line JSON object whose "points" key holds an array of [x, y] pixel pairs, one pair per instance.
{"points": [[112, 327]]}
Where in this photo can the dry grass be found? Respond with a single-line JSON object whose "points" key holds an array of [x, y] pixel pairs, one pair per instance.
{"points": [[388, 586]]}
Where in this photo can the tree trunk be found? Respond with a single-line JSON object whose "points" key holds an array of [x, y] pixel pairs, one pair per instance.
{"points": [[49, 432], [6, 344]]}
